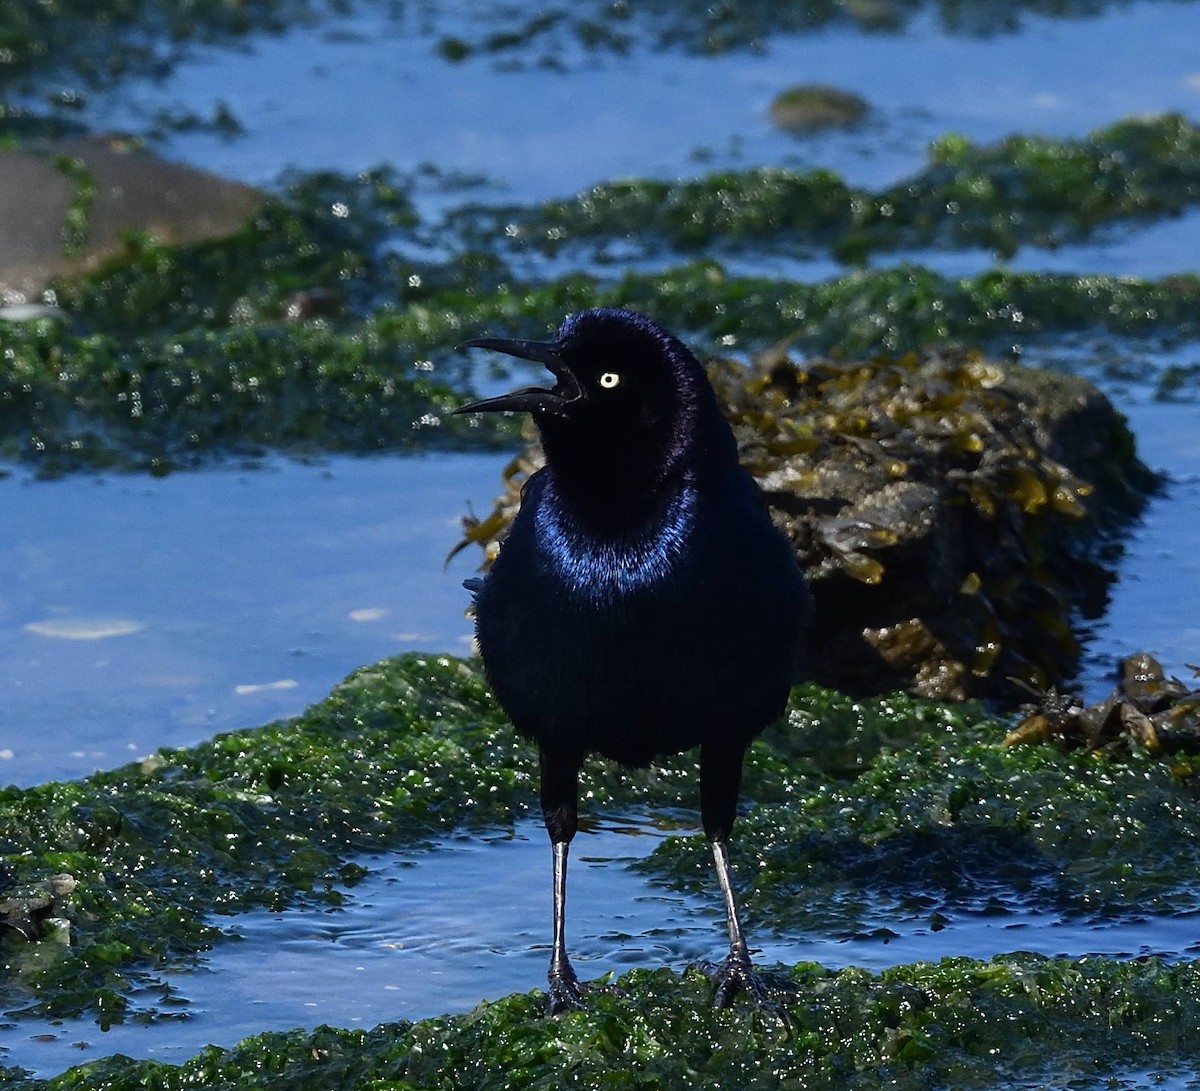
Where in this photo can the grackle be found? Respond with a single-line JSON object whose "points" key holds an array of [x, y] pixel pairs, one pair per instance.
{"points": [[643, 603]]}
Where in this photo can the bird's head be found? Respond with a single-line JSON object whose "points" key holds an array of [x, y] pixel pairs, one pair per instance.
{"points": [[627, 393]]}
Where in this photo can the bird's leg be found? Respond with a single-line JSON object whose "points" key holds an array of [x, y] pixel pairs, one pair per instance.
{"points": [[560, 810], [720, 781], [737, 941]]}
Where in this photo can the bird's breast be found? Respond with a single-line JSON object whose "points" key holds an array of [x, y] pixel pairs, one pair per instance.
{"points": [[603, 568]]}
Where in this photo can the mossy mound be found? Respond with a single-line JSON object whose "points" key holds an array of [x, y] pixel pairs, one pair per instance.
{"points": [[942, 832], [1022, 191], [69, 402], [1012, 1022], [946, 508], [108, 881]]}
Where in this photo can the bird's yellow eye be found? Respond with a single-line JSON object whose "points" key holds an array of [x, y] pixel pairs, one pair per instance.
{"points": [[609, 380]]}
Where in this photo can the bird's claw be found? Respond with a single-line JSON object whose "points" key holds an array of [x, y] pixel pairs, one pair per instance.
{"points": [[565, 992], [737, 974]]}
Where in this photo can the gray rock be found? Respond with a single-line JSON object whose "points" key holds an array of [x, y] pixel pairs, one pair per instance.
{"points": [[134, 191]]}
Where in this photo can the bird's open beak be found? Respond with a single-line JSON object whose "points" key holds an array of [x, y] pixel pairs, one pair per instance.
{"points": [[530, 399]]}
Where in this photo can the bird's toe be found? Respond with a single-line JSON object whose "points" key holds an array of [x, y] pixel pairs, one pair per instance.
{"points": [[565, 992], [736, 974]]}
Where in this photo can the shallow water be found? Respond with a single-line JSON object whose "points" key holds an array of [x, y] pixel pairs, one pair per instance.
{"points": [[441, 929], [140, 612], [1155, 604], [353, 92]]}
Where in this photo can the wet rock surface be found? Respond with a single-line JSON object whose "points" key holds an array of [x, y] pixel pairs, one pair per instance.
{"points": [[66, 205], [951, 511]]}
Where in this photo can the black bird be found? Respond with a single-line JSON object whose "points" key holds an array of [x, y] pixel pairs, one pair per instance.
{"points": [[643, 603]]}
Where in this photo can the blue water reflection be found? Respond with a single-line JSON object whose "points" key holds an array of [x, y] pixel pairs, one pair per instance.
{"points": [[137, 613]]}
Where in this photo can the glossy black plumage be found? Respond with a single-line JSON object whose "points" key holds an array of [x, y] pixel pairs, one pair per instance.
{"points": [[643, 602]]}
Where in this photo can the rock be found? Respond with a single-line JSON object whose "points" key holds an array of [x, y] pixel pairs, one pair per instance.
{"points": [[811, 107], [29, 914], [24, 914], [65, 205]]}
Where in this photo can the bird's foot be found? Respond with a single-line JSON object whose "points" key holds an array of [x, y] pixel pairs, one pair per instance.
{"points": [[736, 974], [565, 992]]}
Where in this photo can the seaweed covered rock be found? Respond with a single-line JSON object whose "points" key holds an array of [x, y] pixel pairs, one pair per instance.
{"points": [[1146, 711], [947, 826], [948, 510]]}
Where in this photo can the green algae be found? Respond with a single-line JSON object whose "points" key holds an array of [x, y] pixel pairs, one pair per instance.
{"points": [[139, 865], [1013, 1021], [892, 310], [67, 400], [315, 327], [928, 818], [84, 187], [70, 402], [548, 35], [935, 834], [1023, 191]]}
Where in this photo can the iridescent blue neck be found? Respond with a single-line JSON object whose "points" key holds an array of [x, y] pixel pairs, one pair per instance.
{"points": [[605, 569]]}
